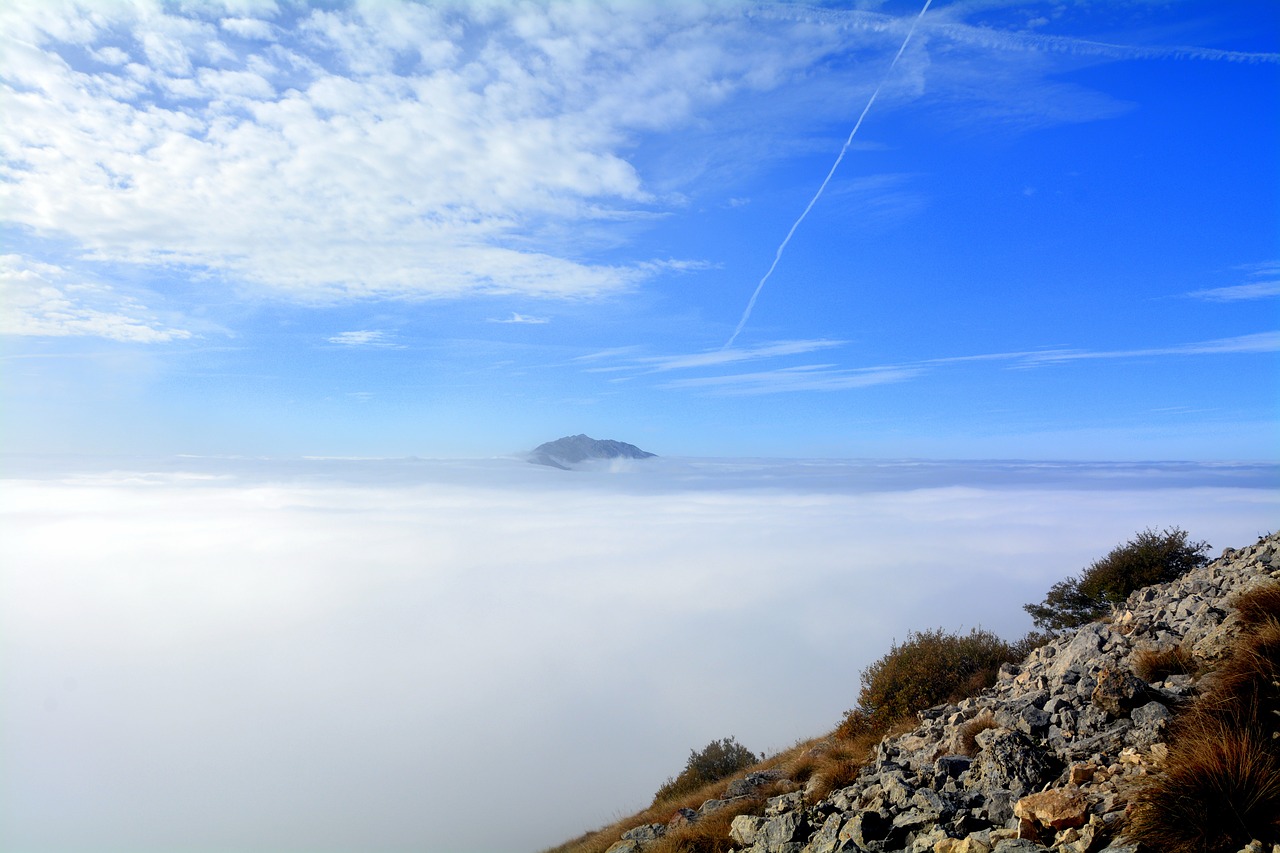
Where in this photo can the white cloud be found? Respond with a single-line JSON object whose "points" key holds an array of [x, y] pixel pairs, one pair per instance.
{"points": [[834, 377], [1239, 292], [733, 355], [520, 319], [45, 300], [809, 377], [407, 167], [250, 28], [363, 338], [400, 149], [350, 665], [1255, 343]]}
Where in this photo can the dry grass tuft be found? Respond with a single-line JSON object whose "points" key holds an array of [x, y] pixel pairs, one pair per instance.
{"points": [[1220, 787], [1154, 665], [710, 834], [969, 733], [1258, 605], [839, 766]]}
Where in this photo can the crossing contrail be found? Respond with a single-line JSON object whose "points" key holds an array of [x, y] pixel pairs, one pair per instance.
{"points": [[746, 315]]}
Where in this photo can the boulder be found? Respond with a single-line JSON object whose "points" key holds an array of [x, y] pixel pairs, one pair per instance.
{"points": [[1010, 761], [1056, 808], [1118, 692], [744, 828]]}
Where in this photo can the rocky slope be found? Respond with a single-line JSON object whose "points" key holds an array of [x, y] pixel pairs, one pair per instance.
{"points": [[566, 452], [1045, 761]]}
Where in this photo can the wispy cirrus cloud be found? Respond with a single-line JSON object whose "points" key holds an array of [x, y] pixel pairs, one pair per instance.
{"points": [[46, 300], [1255, 343], [809, 377], [518, 318], [712, 358], [365, 338], [835, 377], [1238, 292]]}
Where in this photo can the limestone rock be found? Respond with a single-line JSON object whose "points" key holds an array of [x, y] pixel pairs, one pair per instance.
{"points": [[1118, 692], [1056, 808], [744, 828]]}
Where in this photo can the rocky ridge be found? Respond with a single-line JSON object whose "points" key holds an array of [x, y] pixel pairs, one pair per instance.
{"points": [[1044, 761]]}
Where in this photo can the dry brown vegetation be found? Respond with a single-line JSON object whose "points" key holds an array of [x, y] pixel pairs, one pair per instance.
{"points": [[1220, 787], [1158, 664], [825, 764], [969, 733], [1255, 606], [931, 667]]}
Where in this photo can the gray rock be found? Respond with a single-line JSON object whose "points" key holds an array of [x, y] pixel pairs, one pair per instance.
{"points": [[1118, 692], [1017, 845], [777, 831], [827, 838], [625, 846], [1009, 761], [645, 833], [744, 828], [749, 784], [953, 765], [1082, 648], [1150, 714], [866, 828]]}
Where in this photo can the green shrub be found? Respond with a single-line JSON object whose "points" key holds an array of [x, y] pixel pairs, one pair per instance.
{"points": [[718, 759], [931, 667], [1150, 557]]}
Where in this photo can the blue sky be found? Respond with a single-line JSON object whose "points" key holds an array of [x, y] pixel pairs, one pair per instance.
{"points": [[455, 229]]}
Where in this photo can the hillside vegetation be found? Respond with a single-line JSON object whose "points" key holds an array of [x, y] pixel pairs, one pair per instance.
{"points": [[1126, 744]]}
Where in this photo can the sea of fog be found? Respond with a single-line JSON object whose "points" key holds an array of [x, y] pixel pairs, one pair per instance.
{"points": [[468, 656]]}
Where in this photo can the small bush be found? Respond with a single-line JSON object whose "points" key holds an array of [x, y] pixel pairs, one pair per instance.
{"points": [[1257, 605], [1150, 557], [1158, 664], [931, 667], [856, 724], [716, 760], [1220, 786]]}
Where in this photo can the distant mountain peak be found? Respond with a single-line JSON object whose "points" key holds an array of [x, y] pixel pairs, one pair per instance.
{"points": [[568, 451]]}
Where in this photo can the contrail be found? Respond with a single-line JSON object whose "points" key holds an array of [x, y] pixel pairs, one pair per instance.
{"points": [[746, 315]]}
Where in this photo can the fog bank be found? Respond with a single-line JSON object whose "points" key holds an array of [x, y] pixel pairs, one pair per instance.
{"points": [[334, 655]]}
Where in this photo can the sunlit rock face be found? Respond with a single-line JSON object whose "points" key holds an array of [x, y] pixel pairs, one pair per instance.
{"points": [[573, 449]]}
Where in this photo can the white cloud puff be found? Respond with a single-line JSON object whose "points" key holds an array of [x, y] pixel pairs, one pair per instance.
{"points": [[363, 338], [372, 149], [45, 300]]}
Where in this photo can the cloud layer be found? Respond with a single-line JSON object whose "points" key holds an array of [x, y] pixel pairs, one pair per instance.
{"points": [[369, 149], [352, 655]]}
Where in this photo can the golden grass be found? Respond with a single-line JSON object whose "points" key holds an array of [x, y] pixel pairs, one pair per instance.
{"points": [[969, 733], [1220, 786], [1257, 605], [1160, 663]]}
